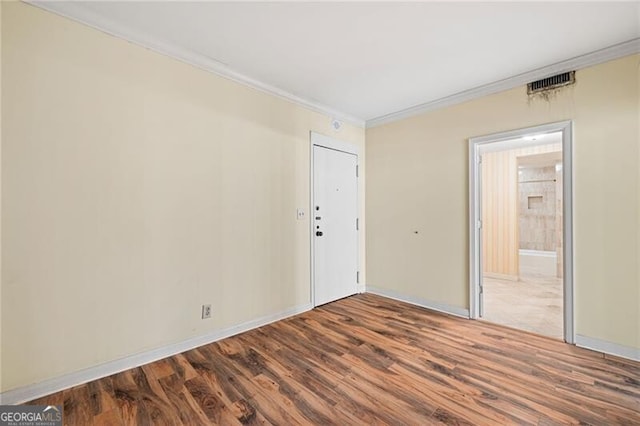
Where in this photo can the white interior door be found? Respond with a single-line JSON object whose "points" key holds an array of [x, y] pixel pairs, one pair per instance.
{"points": [[335, 234]]}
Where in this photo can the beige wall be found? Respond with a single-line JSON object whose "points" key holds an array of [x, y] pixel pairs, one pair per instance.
{"points": [[417, 179], [135, 188]]}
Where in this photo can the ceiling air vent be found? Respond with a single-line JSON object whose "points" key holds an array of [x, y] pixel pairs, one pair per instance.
{"points": [[552, 82]]}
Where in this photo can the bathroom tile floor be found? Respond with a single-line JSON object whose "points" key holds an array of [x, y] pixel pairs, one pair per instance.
{"points": [[533, 304]]}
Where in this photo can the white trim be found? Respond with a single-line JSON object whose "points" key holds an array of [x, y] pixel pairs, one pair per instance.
{"points": [[475, 271], [567, 236], [37, 390], [608, 347], [566, 127], [434, 306], [522, 133], [312, 283], [610, 53], [332, 143], [73, 10]]}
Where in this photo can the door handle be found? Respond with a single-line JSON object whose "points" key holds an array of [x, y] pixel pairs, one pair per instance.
{"points": [[318, 233]]}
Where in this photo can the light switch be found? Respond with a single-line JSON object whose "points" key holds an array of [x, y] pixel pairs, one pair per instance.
{"points": [[301, 214]]}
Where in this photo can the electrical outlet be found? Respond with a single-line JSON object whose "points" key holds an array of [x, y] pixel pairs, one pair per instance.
{"points": [[206, 311], [300, 214]]}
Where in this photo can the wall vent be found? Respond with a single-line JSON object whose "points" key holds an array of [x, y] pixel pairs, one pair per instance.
{"points": [[552, 82]]}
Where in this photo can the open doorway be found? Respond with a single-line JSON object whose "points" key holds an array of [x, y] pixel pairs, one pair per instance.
{"points": [[520, 200]]}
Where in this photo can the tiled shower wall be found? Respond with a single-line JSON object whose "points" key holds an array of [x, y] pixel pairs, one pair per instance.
{"points": [[537, 208]]}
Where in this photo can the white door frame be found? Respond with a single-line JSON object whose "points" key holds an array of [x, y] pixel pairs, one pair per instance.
{"points": [[475, 267], [317, 139]]}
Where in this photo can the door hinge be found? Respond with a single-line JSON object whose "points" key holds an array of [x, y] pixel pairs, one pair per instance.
{"points": [[357, 224], [479, 159], [356, 171], [358, 277], [481, 289], [479, 224]]}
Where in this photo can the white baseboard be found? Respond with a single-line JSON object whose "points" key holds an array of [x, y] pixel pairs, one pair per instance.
{"points": [[608, 347], [56, 384], [434, 306]]}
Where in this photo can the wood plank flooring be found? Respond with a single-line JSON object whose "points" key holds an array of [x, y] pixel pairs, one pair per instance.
{"points": [[367, 360]]}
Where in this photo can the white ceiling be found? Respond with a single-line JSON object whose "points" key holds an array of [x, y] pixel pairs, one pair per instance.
{"points": [[366, 60]]}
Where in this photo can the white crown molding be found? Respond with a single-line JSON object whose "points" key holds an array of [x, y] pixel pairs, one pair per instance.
{"points": [[73, 10], [579, 62], [56, 384], [434, 306]]}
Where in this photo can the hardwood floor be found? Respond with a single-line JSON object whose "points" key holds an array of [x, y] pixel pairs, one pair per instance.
{"points": [[367, 360]]}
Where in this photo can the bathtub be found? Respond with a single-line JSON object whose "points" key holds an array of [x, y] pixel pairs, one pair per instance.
{"points": [[538, 262]]}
